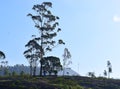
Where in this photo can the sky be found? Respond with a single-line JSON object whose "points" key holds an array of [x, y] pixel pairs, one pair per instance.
{"points": [[90, 29]]}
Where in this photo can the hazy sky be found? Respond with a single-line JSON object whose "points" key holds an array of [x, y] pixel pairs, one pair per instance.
{"points": [[90, 28]]}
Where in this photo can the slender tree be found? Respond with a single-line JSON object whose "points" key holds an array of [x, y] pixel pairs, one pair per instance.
{"points": [[47, 25], [66, 56], [32, 55], [109, 68]]}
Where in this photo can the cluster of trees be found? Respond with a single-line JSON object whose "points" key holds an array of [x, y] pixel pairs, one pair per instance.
{"points": [[4, 66], [47, 25], [91, 74], [105, 73]]}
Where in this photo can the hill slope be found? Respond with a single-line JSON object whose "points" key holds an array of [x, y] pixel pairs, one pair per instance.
{"points": [[74, 82]]}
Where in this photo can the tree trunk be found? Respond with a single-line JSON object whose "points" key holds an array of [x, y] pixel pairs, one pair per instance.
{"points": [[30, 70], [108, 75], [41, 54], [34, 71], [41, 68], [63, 71]]}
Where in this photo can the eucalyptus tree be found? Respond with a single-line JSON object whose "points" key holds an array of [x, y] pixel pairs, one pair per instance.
{"points": [[66, 57], [32, 55], [109, 68], [47, 25]]}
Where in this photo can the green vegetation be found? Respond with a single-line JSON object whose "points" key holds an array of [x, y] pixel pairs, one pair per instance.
{"points": [[52, 82], [38, 83]]}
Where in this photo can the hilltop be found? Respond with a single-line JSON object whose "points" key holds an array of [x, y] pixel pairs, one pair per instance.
{"points": [[53, 82]]}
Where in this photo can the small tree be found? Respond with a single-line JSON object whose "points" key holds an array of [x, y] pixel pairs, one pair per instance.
{"points": [[2, 55], [46, 23], [109, 68], [91, 74], [66, 56], [105, 73]]}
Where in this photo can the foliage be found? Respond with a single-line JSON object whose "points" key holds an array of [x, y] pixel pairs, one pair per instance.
{"points": [[2, 55], [22, 73], [6, 72], [4, 68], [49, 82], [14, 73], [105, 73], [51, 64], [91, 74]]}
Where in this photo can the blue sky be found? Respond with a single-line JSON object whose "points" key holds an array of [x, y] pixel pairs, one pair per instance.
{"points": [[90, 28]]}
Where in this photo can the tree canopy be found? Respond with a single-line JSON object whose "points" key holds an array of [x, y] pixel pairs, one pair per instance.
{"points": [[51, 64]]}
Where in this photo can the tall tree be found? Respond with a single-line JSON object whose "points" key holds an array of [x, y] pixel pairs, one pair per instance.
{"points": [[109, 68], [66, 57], [47, 25]]}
